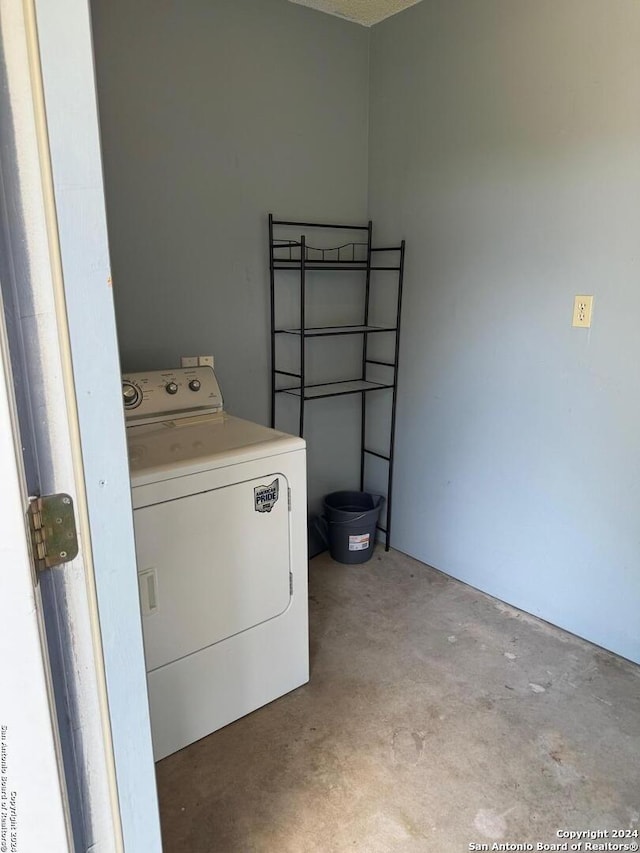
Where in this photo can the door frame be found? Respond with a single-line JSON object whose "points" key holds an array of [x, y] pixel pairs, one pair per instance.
{"points": [[51, 96]]}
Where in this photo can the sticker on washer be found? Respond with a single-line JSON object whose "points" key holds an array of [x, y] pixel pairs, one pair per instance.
{"points": [[359, 543], [266, 496]]}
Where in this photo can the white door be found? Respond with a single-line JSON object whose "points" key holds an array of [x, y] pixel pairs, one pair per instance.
{"points": [[33, 803], [61, 342]]}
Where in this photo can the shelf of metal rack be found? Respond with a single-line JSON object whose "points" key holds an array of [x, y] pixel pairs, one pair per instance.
{"points": [[297, 255], [334, 389], [322, 331]]}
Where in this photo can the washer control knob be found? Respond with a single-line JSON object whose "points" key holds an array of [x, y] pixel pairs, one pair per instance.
{"points": [[171, 388], [131, 395], [195, 385]]}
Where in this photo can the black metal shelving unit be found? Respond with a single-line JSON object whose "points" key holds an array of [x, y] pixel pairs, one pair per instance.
{"points": [[355, 255]]}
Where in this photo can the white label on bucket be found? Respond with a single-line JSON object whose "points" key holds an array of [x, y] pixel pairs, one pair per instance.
{"points": [[359, 543]]}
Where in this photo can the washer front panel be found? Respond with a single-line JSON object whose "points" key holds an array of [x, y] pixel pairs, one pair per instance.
{"points": [[220, 565]]}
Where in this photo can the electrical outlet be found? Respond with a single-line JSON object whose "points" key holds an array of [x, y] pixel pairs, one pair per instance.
{"points": [[205, 361], [188, 361], [582, 307]]}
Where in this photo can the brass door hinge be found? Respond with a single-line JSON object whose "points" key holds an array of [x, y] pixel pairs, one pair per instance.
{"points": [[52, 526]]}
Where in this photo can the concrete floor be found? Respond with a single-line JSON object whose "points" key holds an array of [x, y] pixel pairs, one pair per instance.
{"points": [[436, 718]]}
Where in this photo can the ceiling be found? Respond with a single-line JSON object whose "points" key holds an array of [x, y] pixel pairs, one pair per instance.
{"points": [[366, 12]]}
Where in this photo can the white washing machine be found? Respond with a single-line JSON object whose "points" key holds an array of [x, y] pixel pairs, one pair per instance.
{"points": [[219, 509]]}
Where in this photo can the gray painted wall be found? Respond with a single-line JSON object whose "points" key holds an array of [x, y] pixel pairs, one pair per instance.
{"points": [[212, 115], [504, 146]]}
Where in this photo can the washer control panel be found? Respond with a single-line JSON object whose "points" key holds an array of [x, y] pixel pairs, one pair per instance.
{"points": [[170, 394]]}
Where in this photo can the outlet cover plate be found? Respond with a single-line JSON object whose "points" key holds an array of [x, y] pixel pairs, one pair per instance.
{"points": [[582, 307]]}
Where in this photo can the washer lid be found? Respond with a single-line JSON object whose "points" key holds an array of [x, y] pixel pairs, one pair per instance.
{"points": [[177, 448]]}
